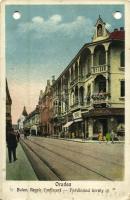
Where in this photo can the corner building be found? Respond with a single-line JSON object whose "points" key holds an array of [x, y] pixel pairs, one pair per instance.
{"points": [[89, 95]]}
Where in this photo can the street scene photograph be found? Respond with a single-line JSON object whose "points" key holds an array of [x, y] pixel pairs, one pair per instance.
{"points": [[65, 92]]}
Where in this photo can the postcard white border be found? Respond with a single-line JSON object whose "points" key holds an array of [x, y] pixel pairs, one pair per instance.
{"points": [[122, 190]]}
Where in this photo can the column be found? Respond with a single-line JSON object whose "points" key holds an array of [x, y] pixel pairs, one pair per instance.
{"points": [[107, 88], [73, 71], [78, 70], [92, 59], [86, 128], [90, 128], [92, 62], [70, 75], [107, 85], [106, 57], [92, 92]]}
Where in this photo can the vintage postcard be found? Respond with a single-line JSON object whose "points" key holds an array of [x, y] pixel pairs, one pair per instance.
{"points": [[65, 100]]}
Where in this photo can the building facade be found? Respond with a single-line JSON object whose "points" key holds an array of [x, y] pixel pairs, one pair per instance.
{"points": [[31, 123], [46, 110], [8, 109], [89, 95]]}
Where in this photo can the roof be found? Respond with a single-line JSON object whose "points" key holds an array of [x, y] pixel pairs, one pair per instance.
{"points": [[117, 35], [8, 97], [24, 113]]}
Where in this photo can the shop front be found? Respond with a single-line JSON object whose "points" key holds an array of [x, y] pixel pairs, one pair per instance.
{"points": [[104, 120], [75, 127]]}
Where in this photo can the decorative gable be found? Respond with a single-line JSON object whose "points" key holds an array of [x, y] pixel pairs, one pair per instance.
{"points": [[101, 33]]}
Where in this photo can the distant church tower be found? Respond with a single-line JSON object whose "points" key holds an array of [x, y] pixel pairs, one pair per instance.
{"points": [[21, 119], [24, 113]]}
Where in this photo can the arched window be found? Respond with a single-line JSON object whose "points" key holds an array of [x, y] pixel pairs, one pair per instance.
{"points": [[99, 30], [81, 94], [122, 59], [102, 58]]}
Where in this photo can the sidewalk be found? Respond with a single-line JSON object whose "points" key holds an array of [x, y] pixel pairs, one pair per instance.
{"points": [[85, 140], [21, 169]]}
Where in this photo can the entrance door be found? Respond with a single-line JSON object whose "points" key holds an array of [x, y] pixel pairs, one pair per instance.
{"points": [[105, 126]]}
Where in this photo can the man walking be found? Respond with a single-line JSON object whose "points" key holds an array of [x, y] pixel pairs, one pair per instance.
{"points": [[11, 144]]}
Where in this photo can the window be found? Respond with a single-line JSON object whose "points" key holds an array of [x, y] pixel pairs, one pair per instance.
{"points": [[99, 30], [122, 59], [122, 88], [102, 59], [102, 86]]}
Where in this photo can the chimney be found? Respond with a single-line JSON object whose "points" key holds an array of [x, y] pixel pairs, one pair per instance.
{"points": [[53, 79], [121, 28], [116, 29]]}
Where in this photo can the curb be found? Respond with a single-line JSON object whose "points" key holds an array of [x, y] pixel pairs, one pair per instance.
{"points": [[88, 141]]}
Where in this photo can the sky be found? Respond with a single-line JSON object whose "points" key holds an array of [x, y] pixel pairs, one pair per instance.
{"points": [[44, 41]]}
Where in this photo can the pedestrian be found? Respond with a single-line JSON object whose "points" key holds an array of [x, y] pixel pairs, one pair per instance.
{"points": [[12, 145], [112, 136], [100, 136], [18, 136], [108, 137]]}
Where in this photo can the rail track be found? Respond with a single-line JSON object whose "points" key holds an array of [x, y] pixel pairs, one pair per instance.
{"points": [[81, 153], [53, 169]]}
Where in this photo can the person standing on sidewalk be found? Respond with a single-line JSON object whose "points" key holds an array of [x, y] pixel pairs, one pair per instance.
{"points": [[112, 136], [18, 136], [12, 145], [100, 136]]}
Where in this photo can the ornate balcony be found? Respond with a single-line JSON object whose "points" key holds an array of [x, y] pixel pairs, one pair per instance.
{"points": [[100, 69], [100, 98], [77, 105]]}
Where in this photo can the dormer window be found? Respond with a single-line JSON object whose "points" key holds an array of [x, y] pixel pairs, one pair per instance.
{"points": [[99, 30]]}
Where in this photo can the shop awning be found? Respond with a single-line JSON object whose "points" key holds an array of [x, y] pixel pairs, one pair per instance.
{"points": [[68, 124], [78, 120], [34, 127]]}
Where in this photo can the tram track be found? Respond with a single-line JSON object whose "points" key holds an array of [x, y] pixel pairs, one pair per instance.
{"points": [[84, 154], [45, 171], [60, 177]]}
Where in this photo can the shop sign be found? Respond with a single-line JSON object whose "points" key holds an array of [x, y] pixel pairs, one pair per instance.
{"points": [[77, 115]]}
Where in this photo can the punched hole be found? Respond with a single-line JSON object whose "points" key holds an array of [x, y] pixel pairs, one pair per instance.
{"points": [[117, 15], [16, 15]]}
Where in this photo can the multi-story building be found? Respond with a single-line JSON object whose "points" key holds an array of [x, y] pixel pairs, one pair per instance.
{"points": [[8, 109], [89, 95], [31, 123], [46, 110]]}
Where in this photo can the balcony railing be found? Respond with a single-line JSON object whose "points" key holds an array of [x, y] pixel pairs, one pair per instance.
{"points": [[100, 98], [100, 69], [74, 81], [77, 105]]}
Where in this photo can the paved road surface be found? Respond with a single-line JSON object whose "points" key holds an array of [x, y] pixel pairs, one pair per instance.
{"points": [[54, 159]]}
